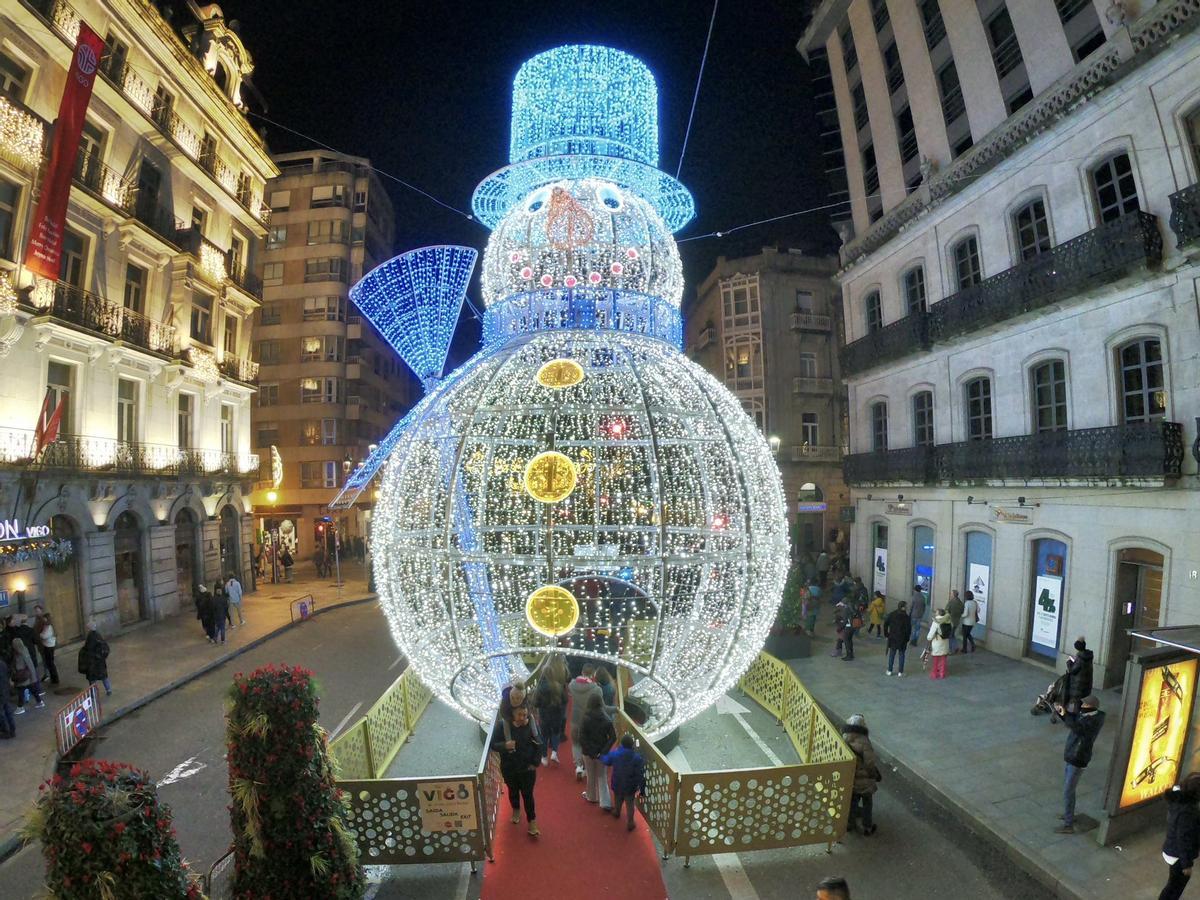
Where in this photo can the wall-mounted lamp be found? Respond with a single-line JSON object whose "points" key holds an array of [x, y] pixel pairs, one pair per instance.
{"points": [[899, 498], [774, 442], [272, 496]]}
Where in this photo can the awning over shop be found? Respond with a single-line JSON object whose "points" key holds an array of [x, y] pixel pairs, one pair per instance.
{"points": [[1185, 637]]}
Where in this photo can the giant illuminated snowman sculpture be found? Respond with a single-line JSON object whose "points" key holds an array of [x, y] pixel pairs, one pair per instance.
{"points": [[578, 486]]}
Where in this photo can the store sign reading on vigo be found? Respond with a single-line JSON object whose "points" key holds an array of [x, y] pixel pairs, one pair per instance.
{"points": [[10, 530]]}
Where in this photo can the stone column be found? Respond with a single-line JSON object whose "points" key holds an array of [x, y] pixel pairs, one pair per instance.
{"points": [[164, 594], [101, 581]]}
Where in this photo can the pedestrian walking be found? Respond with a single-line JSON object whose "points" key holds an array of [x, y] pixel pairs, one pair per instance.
{"points": [[1083, 727], [940, 630], [580, 691], [916, 612], [608, 688], [517, 745], [8, 724], [204, 610], [287, 560], [628, 777], [1182, 842], [220, 612], [1079, 675], [970, 618], [833, 888], [823, 563], [896, 629], [954, 609], [841, 618], [47, 641], [233, 590], [23, 671], [876, 609], [853, 623], [93, 659], [551, 703], [596, 737], [319, 561], [23, 630], [866, 775], [810, 608]]}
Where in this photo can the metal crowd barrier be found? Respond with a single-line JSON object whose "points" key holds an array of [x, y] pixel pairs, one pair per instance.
{"points": [[733, 811], [689, 813]]}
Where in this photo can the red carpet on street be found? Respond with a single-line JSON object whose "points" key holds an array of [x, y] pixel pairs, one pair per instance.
{"points": [[581, 853]]}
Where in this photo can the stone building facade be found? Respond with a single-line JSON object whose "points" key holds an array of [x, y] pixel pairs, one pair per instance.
{"points": [[146, 335], [1020, 293], [766, 326]]}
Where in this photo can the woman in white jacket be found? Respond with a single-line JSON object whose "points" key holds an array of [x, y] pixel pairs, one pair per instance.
{"points": [[939, 643]]}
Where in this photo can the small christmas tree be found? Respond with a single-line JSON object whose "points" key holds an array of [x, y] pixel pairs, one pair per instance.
{"points": [[289, 819], [105, 835]]}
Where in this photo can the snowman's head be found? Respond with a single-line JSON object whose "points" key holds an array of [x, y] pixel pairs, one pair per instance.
{"points": [[582, 233]]}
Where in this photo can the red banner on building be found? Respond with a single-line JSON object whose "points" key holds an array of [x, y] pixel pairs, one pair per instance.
{"points": [[50, 217]]}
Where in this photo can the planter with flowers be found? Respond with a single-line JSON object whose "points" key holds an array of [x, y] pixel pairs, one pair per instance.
{"points": [[105, 835], [288, 815]]}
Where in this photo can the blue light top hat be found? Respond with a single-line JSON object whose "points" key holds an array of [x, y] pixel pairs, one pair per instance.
{"points": [[414, 300], [583, 111]]}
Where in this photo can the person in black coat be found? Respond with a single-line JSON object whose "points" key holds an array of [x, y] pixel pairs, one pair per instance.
{"points": [[220, 612], [596, 736], [516, 743], [204, 610], [93, 659], [1083, 727], [1183, 835], [1079, 675], [7, 719], [897, 627]]}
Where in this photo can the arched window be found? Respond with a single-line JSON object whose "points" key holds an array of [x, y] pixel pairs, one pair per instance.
{"points": [[1141, 383], [978, 393], [922, 413], [879, 426], [1049, 385], [874, 311], [968, 270], [1032, 228], [221, 77], [914, 290], [1116, 190]]}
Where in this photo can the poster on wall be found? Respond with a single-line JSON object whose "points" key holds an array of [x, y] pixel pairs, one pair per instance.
{"points": [[1047, 606], [447, 806], [978, 578], [879, 570], [1160, 731]]}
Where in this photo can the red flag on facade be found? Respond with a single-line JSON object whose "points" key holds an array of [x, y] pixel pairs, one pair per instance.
{"points": [[49, 218], [49, 423]]}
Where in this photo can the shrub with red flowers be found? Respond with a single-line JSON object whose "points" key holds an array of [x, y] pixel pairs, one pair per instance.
{"points": [[288, 815], [105, 835]]}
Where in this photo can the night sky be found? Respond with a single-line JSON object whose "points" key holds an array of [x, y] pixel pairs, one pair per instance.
{"points": [[423, 90]]}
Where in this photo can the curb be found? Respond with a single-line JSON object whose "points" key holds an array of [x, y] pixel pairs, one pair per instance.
{"points": [[12, 843], [1001, 850]]}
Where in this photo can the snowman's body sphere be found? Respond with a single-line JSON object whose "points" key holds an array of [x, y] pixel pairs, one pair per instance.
{"points": [[673, 539]]}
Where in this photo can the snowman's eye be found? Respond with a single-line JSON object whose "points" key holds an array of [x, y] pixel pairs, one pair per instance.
{"points": [[609, 197], [538, 200]]}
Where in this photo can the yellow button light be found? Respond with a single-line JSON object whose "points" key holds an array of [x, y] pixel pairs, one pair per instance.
{"points": [[550, 476], [560, 373], [552, 610]]}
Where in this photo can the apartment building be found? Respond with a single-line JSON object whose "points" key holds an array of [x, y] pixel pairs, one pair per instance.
{"points": [[146, 334], [766, 326], [1020, 300], [330, 386]]}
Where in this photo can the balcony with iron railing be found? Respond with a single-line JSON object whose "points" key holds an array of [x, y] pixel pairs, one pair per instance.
{"points": [[1145, 450], [89, 312], [1100, 256], [802, 384], [935, 29], [78, 453], [815, 453], [241, 276], [1096, 257], [1007, 56], [104, 181], [895, 341], [804, 321], [211, 260], [1185, 215], [243, 370], [953, 105], [117, 71], [895, 78]]}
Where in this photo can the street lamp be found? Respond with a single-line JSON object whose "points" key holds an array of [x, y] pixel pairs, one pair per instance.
{"points": [[347, 464], [773, 441]]}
